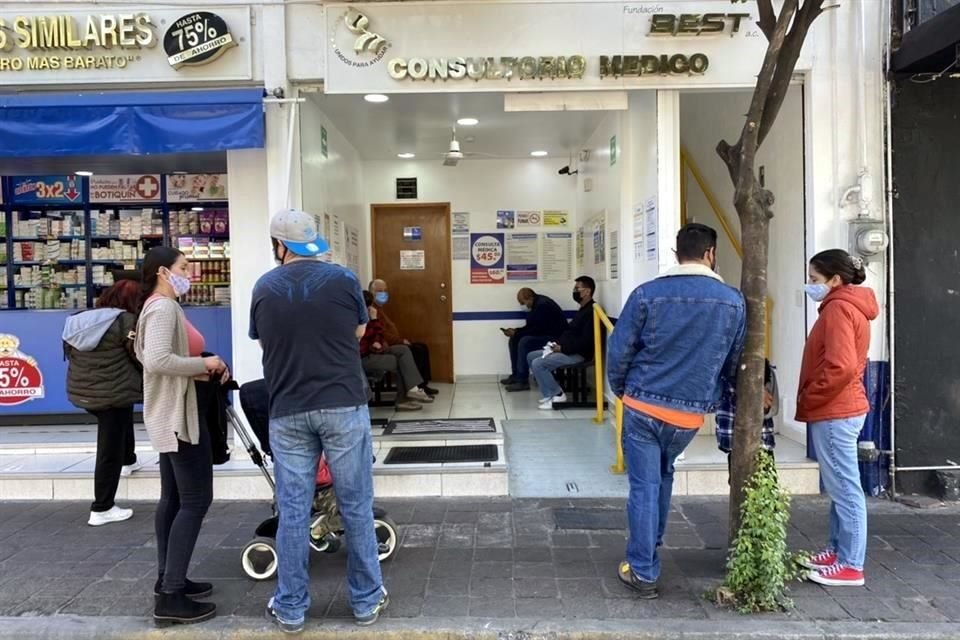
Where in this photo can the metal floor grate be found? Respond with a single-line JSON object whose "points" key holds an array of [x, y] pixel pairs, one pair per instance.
{"points": [[437, 455]]}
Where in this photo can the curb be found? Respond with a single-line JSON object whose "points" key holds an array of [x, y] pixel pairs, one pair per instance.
{"points": [[236, 628]]}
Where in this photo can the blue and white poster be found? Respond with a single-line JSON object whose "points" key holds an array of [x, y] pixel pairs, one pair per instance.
{"points": [[486, 258], [47, 189], [523, 256]]}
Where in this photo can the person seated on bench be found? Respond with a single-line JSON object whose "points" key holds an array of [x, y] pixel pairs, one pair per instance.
{"points": [[377, 357], [421, 352], [545, 322], [573, 347]]}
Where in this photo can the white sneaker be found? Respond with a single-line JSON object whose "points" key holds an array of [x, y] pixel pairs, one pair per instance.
{"points": [[420, 396], [115, 514], [127, 470], [682, 456], [546, 404]]}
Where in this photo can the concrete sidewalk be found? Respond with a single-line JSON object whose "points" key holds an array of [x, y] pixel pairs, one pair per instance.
{"points": [[495, 568]]}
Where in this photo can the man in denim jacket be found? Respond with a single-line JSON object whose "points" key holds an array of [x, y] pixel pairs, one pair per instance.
{"points": [[677, 337]]}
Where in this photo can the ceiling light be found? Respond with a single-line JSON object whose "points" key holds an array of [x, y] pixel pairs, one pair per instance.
{"points": [[538, 154], [468, 122], [85, 174], [376, 98], [196, 208], [178, 173], [406, 156]]}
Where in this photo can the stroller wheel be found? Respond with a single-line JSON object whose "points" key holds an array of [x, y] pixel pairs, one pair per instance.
{"points": [[388, 536], [259, 559]]}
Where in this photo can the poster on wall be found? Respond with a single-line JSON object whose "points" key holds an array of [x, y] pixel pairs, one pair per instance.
{"points": [[528, 218], [523, 256], [46, 189], [352, 235], [650, 232], [486, 258], [129, 188], [413, 260], [600, 240], [638, 231], [506, 219], [555, 218], [557, 257], [196, 187], [460, 222], [579, 248], [336, 244], [461, 247], [614, 255], [20, 378]]}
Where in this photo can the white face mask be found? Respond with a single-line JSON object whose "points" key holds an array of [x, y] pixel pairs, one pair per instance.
{"points": [[818, 291]]}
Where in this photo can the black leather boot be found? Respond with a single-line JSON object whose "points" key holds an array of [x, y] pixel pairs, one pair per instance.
{"points": [[191, 589], [177, 608]]}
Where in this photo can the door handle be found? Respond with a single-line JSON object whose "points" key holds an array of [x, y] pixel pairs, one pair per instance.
{"points": [[443, 298]]}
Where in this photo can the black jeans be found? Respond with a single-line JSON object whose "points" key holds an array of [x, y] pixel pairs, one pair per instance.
{"points": [[421, 355], [186, 491], [115, 448]]}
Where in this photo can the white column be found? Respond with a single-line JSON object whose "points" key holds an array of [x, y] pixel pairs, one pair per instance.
{"points": [[668, 174]]}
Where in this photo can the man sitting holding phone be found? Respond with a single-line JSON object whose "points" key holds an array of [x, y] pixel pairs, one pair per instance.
{"points": [[545, 322]]}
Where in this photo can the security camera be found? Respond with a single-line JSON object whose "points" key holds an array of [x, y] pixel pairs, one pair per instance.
{"points": [[565, 171]]}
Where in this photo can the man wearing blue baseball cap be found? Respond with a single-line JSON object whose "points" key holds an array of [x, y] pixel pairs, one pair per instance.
{"points": [[308, 316]]}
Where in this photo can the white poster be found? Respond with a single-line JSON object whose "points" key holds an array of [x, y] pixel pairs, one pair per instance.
{"points": [[413, 260], [352, 235], [129, 188], [196, 187], [529, 218], [614, 255], [336, 244], [650, 231], [638, 231], [460, 224], [557, 263], [461, 247], [523, 256]]}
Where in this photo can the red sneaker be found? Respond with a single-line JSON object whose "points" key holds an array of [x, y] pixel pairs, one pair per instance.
{"points": [[823, 559], [837, 575]]}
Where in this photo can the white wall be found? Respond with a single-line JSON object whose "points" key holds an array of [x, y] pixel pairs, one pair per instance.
{"points": [[333, 184], [482, 187], [705, 119]]}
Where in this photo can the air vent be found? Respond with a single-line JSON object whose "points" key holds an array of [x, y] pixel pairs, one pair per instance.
{"points": [[406, 188]]}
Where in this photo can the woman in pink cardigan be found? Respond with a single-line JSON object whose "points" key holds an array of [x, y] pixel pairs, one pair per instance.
{"points": [[170, 349]]}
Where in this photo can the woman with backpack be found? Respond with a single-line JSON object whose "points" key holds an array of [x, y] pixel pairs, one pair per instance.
{"points": [[833, 402], [104, 378]]}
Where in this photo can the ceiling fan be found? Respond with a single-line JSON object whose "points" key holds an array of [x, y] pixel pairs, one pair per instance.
{"points": [[454, 154]]}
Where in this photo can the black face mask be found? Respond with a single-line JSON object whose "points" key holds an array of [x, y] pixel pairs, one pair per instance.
{"points": [[278, 257], [577, 296]]}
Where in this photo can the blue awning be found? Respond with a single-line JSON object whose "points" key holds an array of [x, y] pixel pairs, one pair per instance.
{"points": [[133, 123]]}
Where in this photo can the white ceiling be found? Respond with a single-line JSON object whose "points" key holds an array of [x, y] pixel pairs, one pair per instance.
{"points": [[421, 124]]}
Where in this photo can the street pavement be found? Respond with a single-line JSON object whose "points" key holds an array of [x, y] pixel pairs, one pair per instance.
{"points": [[497, 568]]}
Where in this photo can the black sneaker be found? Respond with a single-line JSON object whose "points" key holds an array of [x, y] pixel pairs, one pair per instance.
{"points": [[646, 590], [518, 386], [176, 608], [430, 391], [507, 380], [373, 616], [191, 589], [286, 627]]}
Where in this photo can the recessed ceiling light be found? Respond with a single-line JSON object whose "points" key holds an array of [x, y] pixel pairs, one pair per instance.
{"points": [[538, 154], [85, 174], [468, 122], [406, 156], [376, 98], [196, 208], [178, 173]]}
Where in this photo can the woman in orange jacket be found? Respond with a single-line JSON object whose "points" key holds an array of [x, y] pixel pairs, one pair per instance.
{"points": [[833, 402]]}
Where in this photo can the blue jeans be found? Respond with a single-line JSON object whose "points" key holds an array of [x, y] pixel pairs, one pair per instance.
{"points": [[650, 448], [835, 442], [543, 369], [520, 349], [297, 442]]}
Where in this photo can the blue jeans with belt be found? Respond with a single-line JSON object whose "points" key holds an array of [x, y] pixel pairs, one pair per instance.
{"points": [[650, 448], [835, 442], [297, 442]]}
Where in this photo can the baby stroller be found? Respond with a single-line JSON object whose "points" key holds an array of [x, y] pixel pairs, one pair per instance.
{"points": [[259, 556]]}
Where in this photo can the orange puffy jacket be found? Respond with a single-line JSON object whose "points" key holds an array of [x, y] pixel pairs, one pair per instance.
{"points": [[835, 356]]}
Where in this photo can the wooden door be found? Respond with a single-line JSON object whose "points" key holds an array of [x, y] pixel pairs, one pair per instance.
{"points": [[411, 252]]}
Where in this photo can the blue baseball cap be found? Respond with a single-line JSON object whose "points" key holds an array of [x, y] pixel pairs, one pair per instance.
{"points": [[298, 231]]}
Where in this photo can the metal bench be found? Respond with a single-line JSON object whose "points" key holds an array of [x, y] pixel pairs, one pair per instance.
{"points": [[574, 382]]}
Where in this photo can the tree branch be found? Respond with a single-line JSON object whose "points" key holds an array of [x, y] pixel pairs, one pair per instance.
{"points": [[768, 19], [786, 63]]}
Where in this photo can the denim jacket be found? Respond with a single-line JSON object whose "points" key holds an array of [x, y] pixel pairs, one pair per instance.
{"points": [[676, 337]]}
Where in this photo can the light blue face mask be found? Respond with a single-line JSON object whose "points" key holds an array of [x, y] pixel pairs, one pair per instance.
{"points": [[817, 292], [382, 297]]}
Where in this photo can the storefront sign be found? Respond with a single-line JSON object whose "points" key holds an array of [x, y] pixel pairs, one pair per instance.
{"points": [[131, 188], [354, 44], [47, 189], [486, 258], [636, 66], [196, 187], [198, 38], [503, 68], [20, 377], [77, 47], [696, 24]]}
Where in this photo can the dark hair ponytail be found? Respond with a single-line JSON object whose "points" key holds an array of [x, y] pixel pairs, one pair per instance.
{"points": [[156, 258], [837, 262]]}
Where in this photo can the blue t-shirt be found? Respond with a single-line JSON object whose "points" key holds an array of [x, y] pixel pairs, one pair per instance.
{"points": [[305, 315]]}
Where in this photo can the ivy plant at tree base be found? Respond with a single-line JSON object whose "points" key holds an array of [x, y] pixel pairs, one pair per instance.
{"points": [[760, 566]]}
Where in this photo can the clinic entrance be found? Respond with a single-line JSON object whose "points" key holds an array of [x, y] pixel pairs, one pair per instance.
{"points": [[411, 252]]}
